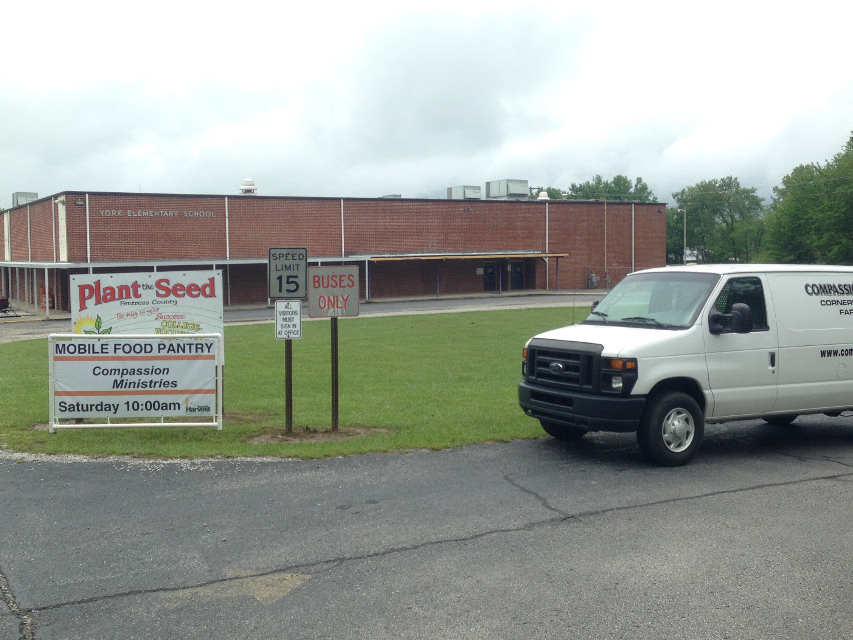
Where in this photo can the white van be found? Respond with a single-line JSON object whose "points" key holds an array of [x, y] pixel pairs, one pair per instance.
{"points": [[669, 350]]}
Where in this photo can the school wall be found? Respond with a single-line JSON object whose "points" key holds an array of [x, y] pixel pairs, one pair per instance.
{"points": [[135, 228]]}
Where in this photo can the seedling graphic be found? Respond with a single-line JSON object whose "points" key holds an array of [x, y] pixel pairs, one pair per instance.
{"points": [[81, 326]]}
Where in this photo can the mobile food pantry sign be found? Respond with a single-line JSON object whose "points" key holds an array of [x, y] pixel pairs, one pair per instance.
{"points": [[159, 303], [135, 377]]}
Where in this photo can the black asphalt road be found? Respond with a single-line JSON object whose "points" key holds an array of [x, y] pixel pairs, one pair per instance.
{"points": [[531, 539]]}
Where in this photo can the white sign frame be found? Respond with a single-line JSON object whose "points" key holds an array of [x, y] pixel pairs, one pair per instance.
{"points": [[288, 319], [55, 424]]}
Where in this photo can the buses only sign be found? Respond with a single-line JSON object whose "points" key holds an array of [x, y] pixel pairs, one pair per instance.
{"points": [[333, 291]]}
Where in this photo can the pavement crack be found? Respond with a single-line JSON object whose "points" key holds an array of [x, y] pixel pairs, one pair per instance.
{"points": [[541, 499], [320, 566], [803, 458], [329, 564], [26, 621]]}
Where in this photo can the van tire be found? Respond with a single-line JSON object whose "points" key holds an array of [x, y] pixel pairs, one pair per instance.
{"points": [[672, 429], [779, 421], [562, 432]]}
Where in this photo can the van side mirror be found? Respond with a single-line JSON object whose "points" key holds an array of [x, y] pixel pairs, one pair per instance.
{"points": [[716, 322], [595, 304], [738, 321], [741, 318]]}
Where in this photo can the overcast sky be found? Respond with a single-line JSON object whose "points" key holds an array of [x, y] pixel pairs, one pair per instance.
{"points": [[368, 98]]}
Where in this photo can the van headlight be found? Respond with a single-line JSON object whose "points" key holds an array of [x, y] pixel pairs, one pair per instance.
{"points": [[618, 375]]}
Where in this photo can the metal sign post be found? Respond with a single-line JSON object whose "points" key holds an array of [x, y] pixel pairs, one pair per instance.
{"points": [[288, 269], [288, 326], [288, 386], [334, 374], [333, 294]]}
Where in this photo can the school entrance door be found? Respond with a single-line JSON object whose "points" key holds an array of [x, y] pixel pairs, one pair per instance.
{"points": [[517, 275], [490, 276]]}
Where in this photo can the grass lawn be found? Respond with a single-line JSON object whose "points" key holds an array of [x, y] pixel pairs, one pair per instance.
{"points": [[406, 382]]}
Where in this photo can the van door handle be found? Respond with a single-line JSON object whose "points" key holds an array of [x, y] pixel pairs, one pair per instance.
{"points": [[773, 359]]}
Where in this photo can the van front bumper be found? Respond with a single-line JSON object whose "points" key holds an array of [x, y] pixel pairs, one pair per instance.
{"points": [[581, 410]]}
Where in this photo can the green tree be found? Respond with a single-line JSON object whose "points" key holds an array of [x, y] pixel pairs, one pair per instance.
{"points": [[674, 236], [619, 189], [554, 193], [811, 220], [724, 220]]}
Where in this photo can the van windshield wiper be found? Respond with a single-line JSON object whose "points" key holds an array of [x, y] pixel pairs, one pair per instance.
{"points": [[647, 320], [600, 314]]}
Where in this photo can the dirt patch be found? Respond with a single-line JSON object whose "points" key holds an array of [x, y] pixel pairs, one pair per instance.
{"points": [[311, 434]]}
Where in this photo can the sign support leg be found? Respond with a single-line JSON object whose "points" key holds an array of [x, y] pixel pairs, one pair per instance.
{"points": [[334, 374], [288, 385]]}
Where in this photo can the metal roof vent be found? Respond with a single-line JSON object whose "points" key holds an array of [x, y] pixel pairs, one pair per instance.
{"points": [[543, 195], [248, 187]]}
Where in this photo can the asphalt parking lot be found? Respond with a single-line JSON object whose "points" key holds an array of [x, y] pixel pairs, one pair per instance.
{"points": [[530, 539]]}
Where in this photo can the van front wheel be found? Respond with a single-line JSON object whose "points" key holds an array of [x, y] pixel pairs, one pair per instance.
{"points": [[672, 428]]}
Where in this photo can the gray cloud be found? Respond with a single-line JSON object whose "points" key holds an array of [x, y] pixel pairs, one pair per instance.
{"points": [[421, 99]]}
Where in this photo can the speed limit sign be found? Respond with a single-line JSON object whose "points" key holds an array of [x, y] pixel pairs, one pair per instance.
{"points": [[288, 272]]}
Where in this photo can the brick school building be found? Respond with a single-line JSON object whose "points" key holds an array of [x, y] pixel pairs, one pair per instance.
{"points": [[404, 247]]}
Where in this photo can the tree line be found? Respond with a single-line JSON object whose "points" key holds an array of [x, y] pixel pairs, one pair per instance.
{"points": [[809, 220]]}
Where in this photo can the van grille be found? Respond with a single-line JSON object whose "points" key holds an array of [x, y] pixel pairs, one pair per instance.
{"points": [[569, 369]]}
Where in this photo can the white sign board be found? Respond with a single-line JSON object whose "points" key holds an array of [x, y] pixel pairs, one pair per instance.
{"points": [[333, 291], [160, 303], [134, 376], [287, 272], [288, 319]]}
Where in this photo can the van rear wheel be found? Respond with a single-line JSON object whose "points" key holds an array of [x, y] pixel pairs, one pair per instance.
{"points": [[672, 429], [562, 432]]}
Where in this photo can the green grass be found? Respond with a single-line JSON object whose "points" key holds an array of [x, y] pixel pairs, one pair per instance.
{"points": [[427, 381]]}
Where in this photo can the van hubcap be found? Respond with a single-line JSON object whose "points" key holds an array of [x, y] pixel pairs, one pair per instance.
{"points": [[678, 430]]}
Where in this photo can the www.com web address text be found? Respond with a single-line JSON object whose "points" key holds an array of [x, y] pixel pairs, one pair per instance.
{"points": [[836, 353]]}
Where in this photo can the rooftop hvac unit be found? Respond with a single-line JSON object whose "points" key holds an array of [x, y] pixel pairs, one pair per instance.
{"points": [[23, 197], [507, 189], [465, 192]]}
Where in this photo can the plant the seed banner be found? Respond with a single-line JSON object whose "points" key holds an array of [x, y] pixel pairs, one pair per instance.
{"points": [[160, 303]]}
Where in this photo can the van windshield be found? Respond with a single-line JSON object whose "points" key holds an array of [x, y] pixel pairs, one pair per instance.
{"points": [[657, 300]]}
